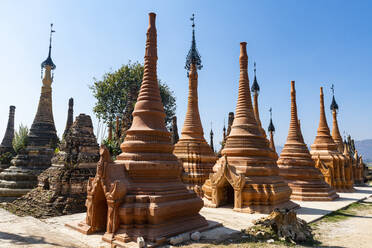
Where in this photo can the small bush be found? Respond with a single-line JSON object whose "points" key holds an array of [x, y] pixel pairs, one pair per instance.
{"points": [[113, 146], [20, 138], [6, 158]]}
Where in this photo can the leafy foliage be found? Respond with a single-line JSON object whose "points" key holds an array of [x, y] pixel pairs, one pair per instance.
{"points": [[5, 158], [20, 138], [117, 92], [113, 146]]}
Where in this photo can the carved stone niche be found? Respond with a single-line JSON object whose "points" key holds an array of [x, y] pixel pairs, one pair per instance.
{"points": [[225, 187], [103, 199]]}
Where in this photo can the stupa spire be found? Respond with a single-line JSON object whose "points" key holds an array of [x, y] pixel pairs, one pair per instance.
{"points": [[211, 134], [6, 144], [193, 56], [70, 116], [255, 91], [192, 149], [271, 130], [335, 130]]}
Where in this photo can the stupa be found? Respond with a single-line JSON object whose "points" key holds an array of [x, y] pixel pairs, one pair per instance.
{"points": [[6, 146], [141, 193], [21, 176], [70, 116], [225, 132], [336, 136], [174, 130], [211, 134], [297, 167], [247, 174], [271, 130], [62, 188], [325, 149], [196, 155], [255, 91]]}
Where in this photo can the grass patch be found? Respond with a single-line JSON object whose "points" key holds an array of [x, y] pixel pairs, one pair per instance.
{"points": [[347, 212]]}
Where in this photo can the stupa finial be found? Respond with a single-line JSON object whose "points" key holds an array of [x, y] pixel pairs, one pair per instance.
{"points": [[193, 56], [334, 105], [255, 87], [271, 127], [49, 61]]}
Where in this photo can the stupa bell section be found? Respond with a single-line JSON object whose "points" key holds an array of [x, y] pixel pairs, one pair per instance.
{"points": [[192, 149], [21, 177], [297, 167], [326, 155], [141, 193], [247, 175]]}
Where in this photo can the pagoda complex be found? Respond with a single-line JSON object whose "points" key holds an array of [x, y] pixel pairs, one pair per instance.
{"points": [[192, 149], [247, 175], [141, 193], [297, 167], [271, 130], [325, 150], [255, 91], [336, 136], [21, 177]]}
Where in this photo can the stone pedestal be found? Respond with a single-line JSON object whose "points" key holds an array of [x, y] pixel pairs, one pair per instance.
{"points": [[247, 175], [141, 193], [62, 188], [297, 167]]}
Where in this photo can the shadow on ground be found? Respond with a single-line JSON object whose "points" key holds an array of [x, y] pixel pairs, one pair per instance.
{"points": [[24, 240]]}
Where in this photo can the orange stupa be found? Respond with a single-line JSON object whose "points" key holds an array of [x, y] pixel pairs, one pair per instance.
{"points": [[247, 174], [297, 167], [325, 149], [141, 193], [255, 92], [192, 149], [336, 136]]}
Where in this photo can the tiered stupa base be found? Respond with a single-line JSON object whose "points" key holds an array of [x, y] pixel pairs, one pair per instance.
{"points": [[248, 194], [21, 177], [198, 160]]}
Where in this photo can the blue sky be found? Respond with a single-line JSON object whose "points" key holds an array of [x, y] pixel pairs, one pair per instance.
{"points": [[316, 43]]}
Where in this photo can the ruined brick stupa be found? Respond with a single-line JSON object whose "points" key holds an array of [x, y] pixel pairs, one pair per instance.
{"points": [[325, 150], [141, 193], [336, 136], [247, 174], [192, 149], [21, 177], [297, 167], [6, 145], [62, 188]]}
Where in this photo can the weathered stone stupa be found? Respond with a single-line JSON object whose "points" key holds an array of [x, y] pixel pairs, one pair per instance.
{"points": [[325, 149], [271, 130], [255, 92], [297, 167], [336, 136], [21, 177], [141, 193], [6, 145], [62, 188], [196, 155], [247, 175], [70, 116], [174, 130]]}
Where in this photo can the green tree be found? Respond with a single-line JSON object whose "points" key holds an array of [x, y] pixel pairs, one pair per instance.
{"points": [[117, 93], [20, 138]]}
